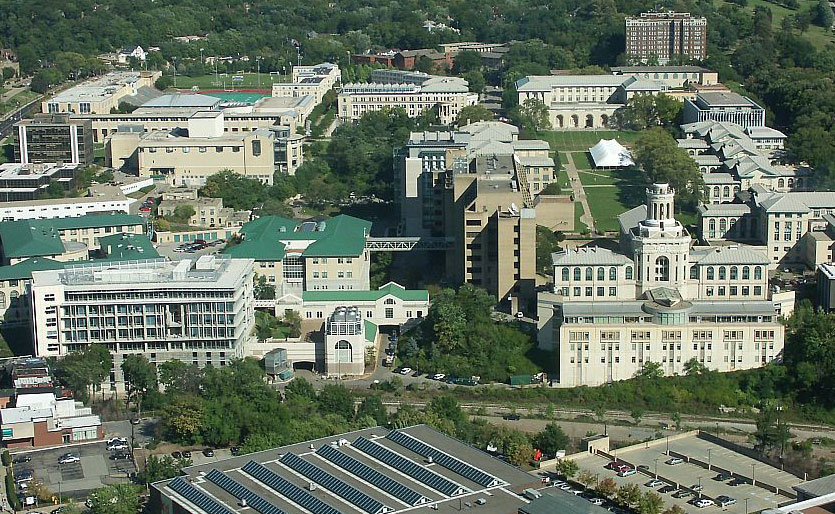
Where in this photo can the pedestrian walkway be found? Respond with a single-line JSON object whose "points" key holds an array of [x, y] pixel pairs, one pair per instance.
{"points": [[577, 189]]}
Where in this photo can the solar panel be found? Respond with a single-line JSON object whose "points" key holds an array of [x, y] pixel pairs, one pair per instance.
{"points": [[444, 459], [338, 487], [372, 476], [200, 499], [409, 467], [242, 493], [288, 489]]}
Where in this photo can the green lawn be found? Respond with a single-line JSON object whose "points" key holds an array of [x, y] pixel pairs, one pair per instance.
{"points": [[582, 160], [607, 203], [582, 140], [224, 81], [579, 226], [596, 178], [618, 176], [562, 180], [818, 36], [18, 100]]}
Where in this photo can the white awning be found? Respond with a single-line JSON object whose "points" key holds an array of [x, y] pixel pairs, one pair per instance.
{"points": [[608, 153]]}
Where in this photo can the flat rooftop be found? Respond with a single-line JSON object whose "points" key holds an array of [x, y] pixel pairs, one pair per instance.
{"points": [[97, 89], [373, 471], [725, 99], [16, 170]]}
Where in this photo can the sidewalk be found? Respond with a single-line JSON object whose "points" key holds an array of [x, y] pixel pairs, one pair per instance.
{"points": [[577, 189]]}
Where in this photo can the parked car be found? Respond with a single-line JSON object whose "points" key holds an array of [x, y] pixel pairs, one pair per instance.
{"points": [[69, 458], [135, 421], [20, 459], [721, 477], [177, 455], [643, 467], [235, 450], [24, 475], [696, 487], [186, 454], [117, 439], [667, 489], [673, 461], [625, 472], [596, 501], [735, 482], [511, 417], [702, 503], [438, 376], [725, 501], [144, 208], [681, 493], [121, 455], [654, 483], [405, 371], [117, 445], [208, 452], [613, 465]]}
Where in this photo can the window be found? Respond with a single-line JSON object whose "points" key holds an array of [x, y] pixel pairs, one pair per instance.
{"points": [[710, 273], [722, 273], [758, 290], [746, 290], [588, 291], [758, 273], [389, 313], [662, 269], [746, 273], [712, 228], [576, 291], [601, 291], [256, 148], [613, 273], [576, 273], [694, 272], [588, 274], [601, 274], [613, 291], [565, 274]]}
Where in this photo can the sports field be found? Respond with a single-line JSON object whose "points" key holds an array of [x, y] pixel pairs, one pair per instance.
{"points": [[228, 81]]}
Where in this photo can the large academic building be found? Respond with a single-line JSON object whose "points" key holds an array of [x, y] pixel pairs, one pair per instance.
{"points": [[657, 299]]}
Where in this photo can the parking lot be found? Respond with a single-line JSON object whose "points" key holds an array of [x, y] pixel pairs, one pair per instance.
{"points": [[749, 498], [168, 250], [75, 480]]}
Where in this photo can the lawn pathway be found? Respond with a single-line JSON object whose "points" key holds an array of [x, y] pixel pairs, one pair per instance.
{"points": [[577, 189]]}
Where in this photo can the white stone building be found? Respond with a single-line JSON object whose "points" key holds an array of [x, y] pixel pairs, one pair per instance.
{"points": [[657, 300]]}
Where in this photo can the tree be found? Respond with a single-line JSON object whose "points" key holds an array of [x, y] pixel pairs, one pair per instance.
{"points": [[520, 454], [551, 439], [467, 60], [183, 419], [183, 213], [650, 371], [606, 487], [823, 15], [85, 370], [161, 468], [475, 81], [299, 387], [532, 115], [472, 114], [694, 367], [293, 320], [636, 414], [675, 509], [372, 406], [445, 406], [425, 64], [263, 290], [115, 499], [628, 495], [644, 110], [650, 503], [658, 154], [567, 468], [140, 377], [770, 432], [587, 478], [178, 377], [337, 399]]}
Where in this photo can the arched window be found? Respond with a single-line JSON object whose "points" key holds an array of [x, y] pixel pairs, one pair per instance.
{"points": [[723, 226], [746, 273], [716, 191], [791, 182], [781, 183], [613, 273], [662, 269], [726, 191], [758, 273], [342, 351], [694, 272], [13, 295], [576, 273], [723, 273], [710, 273], [601, 274], [565, 273], [736, 189], [389, 301], [589, 274], [711, 228], [734, 273], [629, 273]]}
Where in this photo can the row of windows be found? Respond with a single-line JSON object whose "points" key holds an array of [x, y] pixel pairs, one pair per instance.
{"points": [[601, 273], [708, 358], [724, 272], [580, 348]]}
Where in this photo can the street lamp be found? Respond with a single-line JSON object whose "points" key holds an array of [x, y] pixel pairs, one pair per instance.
{"points": [[753, 479], [700, 487], [708, 459], [656, 469], [258, 68], [746, 505]]}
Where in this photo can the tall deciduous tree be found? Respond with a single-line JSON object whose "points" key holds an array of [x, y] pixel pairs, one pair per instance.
{"points": [[551, 439], [658, 154], [140, 376]]}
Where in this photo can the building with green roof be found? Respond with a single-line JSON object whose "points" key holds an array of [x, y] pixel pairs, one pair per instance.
{"points": [[314, 255], [126, 247], [62, 239]]}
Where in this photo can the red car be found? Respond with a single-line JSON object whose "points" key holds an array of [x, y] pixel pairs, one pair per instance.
{"points": [[145, 208]]}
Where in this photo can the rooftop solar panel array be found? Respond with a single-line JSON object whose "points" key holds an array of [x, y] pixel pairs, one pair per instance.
{"points": [[372, 476], [200, 499], [338, 487], [408, 467], [444, 459], [240, 492], [287, 489]]}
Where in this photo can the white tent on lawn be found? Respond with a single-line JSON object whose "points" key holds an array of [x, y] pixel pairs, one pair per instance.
{"points": [[608, 153]]}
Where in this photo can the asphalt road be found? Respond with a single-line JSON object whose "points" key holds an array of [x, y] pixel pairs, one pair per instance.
{"points": [[7, 124]]}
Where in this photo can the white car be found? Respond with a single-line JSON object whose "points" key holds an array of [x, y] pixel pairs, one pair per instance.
{"points": [[69, 458], [704, 502], [558, 483], [405, 371], [596, 501], [117, 440], [565, 487], [654, 483], [626, 472], [438, 376], [118, 445], [674, 461]]}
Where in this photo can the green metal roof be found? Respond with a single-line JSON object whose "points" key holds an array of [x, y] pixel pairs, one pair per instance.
{"points": [[340, 236], [23, 269], [345, 295], [370, 331], [29, 238], [123, 247]]}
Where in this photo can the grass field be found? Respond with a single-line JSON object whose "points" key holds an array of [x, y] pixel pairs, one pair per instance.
{"points": [[582, 160], [224, 81], [621, 176], [579, 226], [606, 203], [582, 140], [21, 98]]}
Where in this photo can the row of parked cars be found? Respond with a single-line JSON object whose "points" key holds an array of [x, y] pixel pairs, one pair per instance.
{"points": [[623, 470], [197, 244]]}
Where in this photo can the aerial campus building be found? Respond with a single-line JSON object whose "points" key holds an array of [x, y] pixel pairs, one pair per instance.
{"points": [[658, 299], [370, 471], [662, 36]]}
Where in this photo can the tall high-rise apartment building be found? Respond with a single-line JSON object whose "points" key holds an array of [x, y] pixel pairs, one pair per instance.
{"points": [[664, 35]]}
